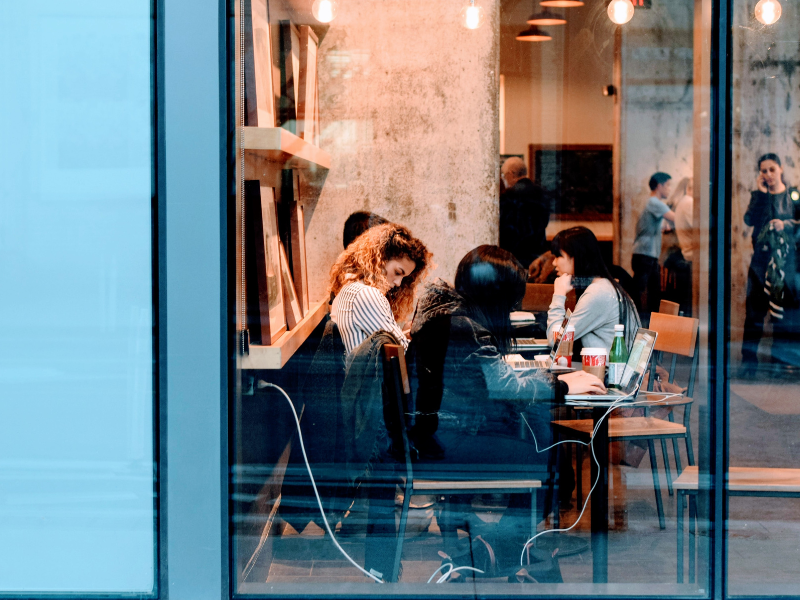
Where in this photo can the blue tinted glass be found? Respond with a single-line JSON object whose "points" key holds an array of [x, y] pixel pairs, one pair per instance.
{"points": [[76, 316]]}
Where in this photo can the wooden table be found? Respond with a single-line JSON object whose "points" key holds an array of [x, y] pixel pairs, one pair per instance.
{"points": [[741, 481], [599, 473]]}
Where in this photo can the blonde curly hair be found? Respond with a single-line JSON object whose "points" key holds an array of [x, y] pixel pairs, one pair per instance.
{"points": [[364, 260]]}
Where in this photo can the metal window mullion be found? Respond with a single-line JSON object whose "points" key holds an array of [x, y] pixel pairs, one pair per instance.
{"points": [[191, 97], [720, 263]]}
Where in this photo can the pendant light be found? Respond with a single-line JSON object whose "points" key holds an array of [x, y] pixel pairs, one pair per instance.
{"points": [[545, 18], [472, 15], [561, 3], [768, 11], [534, 34], [324, 11], [620, 11]]}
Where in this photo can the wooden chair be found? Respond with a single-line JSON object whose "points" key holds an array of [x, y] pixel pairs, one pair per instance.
{"points": [[676, 336], [666, 307], [740, 481], [539, 295], [398, 389]]}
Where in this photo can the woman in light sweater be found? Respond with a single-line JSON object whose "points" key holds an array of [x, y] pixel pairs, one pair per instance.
{"points": [[374, 281], [602, 303]]}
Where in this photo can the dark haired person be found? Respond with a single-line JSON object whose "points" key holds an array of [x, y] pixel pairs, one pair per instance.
{"points": [[647, 245], [359, 222], [524, 213], [461, 334], [602, 301], [774, 205], [459, 337]]}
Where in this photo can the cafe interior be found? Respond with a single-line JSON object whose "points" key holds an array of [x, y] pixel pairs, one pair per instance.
{"points": [[475, 283]]}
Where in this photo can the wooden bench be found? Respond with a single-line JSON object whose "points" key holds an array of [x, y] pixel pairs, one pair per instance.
{"points": [[741, 481]]}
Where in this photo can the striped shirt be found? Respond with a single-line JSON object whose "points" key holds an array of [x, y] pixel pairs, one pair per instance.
{"points": [[360, 310]]}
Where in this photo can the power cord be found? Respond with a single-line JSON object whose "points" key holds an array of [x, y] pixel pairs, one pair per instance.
{"points": [[377, 578], [590, 443], [445, 576]]}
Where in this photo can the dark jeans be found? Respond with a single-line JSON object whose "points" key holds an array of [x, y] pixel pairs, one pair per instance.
{"points": [[679, 289], [756, 308], [647, 278]]}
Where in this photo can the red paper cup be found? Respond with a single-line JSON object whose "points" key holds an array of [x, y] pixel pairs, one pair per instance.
{"points": [[594, 361]]}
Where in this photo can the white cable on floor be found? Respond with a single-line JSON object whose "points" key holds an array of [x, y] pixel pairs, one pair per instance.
{"points": [[444, 566], [445, 576], [589, 495], [263, 384], [594, 456]]}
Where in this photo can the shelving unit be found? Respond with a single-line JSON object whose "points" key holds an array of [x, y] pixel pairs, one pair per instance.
{"points": [[268, 147], [279, 353]]}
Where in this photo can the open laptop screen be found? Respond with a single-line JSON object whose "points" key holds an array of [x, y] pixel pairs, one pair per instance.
{"points": [[638, 358], [559, 336]]}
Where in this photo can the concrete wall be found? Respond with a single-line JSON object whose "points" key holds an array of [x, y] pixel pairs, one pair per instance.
{"points": [[408, 111], [657, 109], [766, 118]]}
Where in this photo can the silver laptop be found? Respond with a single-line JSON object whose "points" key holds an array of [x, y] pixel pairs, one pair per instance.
{"points": [[522, 365], [635, 368]]}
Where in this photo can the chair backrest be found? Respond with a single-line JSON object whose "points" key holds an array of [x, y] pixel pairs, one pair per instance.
{"points": [[539, 295], [676, 335], [669, 308], [679, 337], [398, 390]]}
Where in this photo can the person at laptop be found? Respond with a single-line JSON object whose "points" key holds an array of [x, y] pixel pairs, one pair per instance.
{"points": [[374, 282], [468, 399], [461, 334], [602, 302]]}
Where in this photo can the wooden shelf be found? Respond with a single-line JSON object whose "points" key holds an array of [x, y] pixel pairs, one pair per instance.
{"points": [[266, 146], [279, 353]]}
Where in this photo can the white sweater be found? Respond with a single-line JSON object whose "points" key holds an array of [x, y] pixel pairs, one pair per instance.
{"points": [[594, 317]]}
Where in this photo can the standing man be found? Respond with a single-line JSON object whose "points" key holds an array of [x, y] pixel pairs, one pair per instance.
{"points": [[524, 213], [647, 245]]}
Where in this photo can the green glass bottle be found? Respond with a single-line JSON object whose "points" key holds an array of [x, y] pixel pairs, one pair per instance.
{"points": [[617, 358]]}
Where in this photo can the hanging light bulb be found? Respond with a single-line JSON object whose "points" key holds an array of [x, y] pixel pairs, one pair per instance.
{"points": [[620, 11], [546, 18], [534, 34], [324, 11], [561, 3], [472, 16], [768, 11]]}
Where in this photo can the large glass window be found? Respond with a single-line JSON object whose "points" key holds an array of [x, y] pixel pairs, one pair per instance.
{"points": [[425, 195], [764, 288], [77, 504]]}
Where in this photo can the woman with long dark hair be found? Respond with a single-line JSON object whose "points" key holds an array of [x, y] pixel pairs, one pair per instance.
{"points": [[773, 208], [602, 302], [460, 336], [477, 402]]}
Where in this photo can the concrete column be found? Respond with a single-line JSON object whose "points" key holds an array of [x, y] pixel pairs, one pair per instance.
{"points": [[408, 111]]}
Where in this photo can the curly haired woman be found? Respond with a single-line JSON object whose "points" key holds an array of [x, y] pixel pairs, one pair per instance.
{"points": [[374, 282]]}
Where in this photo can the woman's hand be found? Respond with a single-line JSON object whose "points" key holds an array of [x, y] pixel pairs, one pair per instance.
{"points": [[761, 184], [562, 285], [581, 382], [776, 224]]}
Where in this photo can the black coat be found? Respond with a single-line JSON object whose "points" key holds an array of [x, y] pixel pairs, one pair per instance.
{"points": [[524, 214], [761, 211], [463, 383]]}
